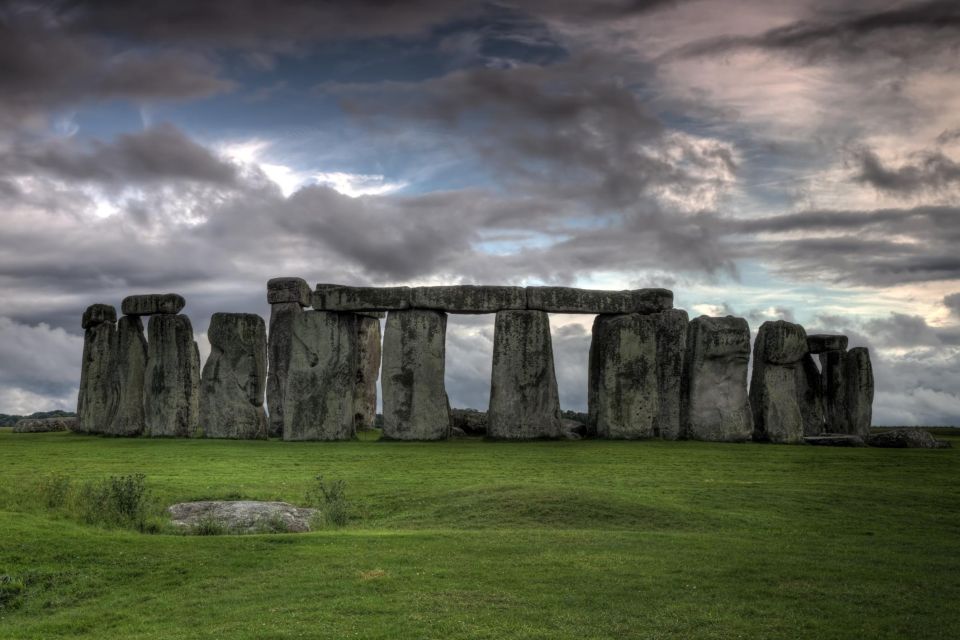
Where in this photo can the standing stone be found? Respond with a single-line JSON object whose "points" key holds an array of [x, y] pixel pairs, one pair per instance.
{"points": [[858, 374], [622, 378], [834, 391], [284, 290], [524, 402], [318, 399], [415, 405], [810, 396], [671, 351], [716, 404], [234, 377], [98, 396], [368, 370], [172, 379], [130, 370], [280, 345], [774, 389]]}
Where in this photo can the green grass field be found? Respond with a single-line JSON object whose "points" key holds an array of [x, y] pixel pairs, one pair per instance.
{"points": [[473, 539]]}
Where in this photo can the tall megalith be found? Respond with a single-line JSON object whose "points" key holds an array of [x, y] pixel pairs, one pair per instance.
{"points": [[287, 298], [524, 401], [368, 370], [775, 386], [321, 376], [716, 403], [98, 396], [671, 331], [130, 369], [234, 377], [858, 375], [172, 378], [415, 405]]}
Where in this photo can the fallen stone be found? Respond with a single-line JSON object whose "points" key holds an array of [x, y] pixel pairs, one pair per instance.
{"points": [[858, 376], [835, 440], [172, 378], [368, 370], [471, 421], [333, 297], [98, 314], [671, 328], [415, 405], [572, 300], [234, 377], [45, 425], [903, 439], [98, 395], [131, 369], [457, 432], [152, 304], [524, 402], [318, 400], [622, 378], [774, 388], [279, 347], [822, 342], [572, 429], [468, 298], [285, 290], [241, 516], [716, 404]]}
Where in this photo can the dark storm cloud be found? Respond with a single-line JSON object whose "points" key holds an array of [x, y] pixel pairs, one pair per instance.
{"points": [[928, 171]]}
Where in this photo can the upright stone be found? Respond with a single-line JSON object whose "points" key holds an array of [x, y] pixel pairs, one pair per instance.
{"points": [[415, 405], [622, 378], [858, 374], [318, 399], [234, 377], [524, 402], [98, 397], [287, 297], [834, 385], [285, 290], [172, 379], [368, 370], [775, 387], [716, 404], [671, 329], [130, 369]]}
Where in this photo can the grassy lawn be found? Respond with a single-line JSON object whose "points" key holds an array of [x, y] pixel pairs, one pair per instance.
{"points": [[473, 539]]}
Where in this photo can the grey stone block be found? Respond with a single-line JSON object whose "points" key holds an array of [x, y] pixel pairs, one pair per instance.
{"points": [[858, 375], [285, 290], [671, 327], [775, 386], [572, 300], [172, 379], [468, 298], [333, 297], [98, 396], [97, 314], [822, 342], [152, 304], [279, 349], [131, 367]]}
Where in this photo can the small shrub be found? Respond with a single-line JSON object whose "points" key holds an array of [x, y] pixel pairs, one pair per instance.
{"points": [[53, 490], [208, 526], [331, 499], [118, 500]]}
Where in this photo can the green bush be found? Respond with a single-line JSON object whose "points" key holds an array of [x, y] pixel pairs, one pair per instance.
{"points": [[208, 526], [331, 499], [54, 490], [118, 500]]}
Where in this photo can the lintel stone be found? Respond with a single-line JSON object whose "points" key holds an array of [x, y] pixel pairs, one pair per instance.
{"points": [[823, 342], [280, 290], [572, 300], [152, 304]]}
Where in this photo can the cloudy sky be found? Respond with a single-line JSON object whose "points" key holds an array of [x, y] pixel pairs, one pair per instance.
{"points": [[794, 159]]}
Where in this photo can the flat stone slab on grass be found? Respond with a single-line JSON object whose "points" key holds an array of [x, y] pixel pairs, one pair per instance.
{"points": [[835, 440], [906, 439], [45, 425], [242, 516]]}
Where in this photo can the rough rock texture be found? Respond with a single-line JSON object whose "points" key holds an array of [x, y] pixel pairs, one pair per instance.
{"points": [[671, 327], [234, 377], [98, 396], [835, 440], [524, 402], [368, 370], [242, 516], [280, 345], [45, 425], [334, 297], [471, 421], [468, 298], [152, 303], [858, 376], [318, 400], [97, 314], [774, 388], [810, 396], [130, 371], [822, 342], [172, 379], [415, 405], [283, 290], [622, 378], [903, 439], [716, 405], [572, 300], [834, 387]]}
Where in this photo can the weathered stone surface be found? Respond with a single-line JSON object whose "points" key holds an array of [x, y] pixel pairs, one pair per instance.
{"points": [[415, 405], [471, 421], [716, 404], [836, 416], [98, 396], [333, 297], [524, 402], [172, 379], [131, 368], [318, 400], [671, 327], [468, 298], [234, 377], [242, 516], [622, 379], [903, 439], [45, 425], [810, 396], [457, 432], [835, 440], [152, 303], [280, 345], [775, 386], [858, 376], [283, 290], [368, 370], [823, 342], [98, 314], [572, 300]]}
